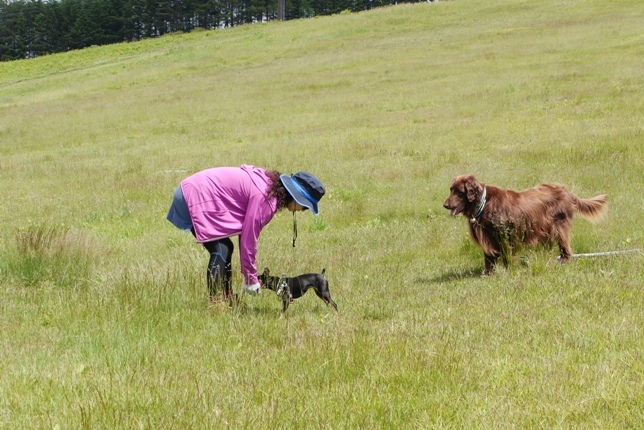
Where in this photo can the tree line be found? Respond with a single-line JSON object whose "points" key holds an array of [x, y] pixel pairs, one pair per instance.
{"points": [[30, 28]]}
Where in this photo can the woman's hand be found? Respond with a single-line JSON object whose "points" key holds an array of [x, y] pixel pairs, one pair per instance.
{"points": [[253, 289]]}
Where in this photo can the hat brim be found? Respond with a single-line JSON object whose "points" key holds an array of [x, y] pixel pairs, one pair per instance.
{"points": [[297, 195]]}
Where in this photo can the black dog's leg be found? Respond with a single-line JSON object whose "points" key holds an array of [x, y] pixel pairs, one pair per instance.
{"points": [[322, 291]]}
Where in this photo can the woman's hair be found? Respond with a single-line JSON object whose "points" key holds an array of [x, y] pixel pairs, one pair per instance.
{"points": [[276, 189]]}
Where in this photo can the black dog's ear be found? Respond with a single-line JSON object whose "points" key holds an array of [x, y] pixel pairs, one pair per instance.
{"points": [[266, 271]]}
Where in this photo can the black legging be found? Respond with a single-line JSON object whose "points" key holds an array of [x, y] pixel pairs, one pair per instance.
{"points": [[221, 253], [219, 273]]}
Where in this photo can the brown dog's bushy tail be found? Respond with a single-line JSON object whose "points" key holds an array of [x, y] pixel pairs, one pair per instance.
{"points": [[593, 209]]}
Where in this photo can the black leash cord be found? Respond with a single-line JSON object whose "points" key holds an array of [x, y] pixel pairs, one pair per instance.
{"points": [[294, 229]]}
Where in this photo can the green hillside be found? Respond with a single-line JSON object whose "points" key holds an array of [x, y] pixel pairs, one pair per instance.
{"points": [[104, 317]]}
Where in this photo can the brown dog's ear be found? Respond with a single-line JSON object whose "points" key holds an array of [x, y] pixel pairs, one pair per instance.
{"points": [[473, 189]]}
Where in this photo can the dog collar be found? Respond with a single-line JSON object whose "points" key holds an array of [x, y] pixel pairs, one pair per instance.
{"points": [[479, 208]]}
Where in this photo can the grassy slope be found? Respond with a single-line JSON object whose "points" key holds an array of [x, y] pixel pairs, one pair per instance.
{"points": [[106, 324]]}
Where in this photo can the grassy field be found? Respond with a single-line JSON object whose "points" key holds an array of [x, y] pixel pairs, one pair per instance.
{"points": [[104, 319]]}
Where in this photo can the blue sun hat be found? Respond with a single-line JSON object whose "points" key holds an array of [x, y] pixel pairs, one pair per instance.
{"points": [[306, 189]]}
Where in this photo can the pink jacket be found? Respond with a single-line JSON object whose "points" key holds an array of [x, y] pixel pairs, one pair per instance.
{"points": [[231, 201]]}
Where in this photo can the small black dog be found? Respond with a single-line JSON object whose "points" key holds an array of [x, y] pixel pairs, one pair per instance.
{"points": [[299, 285]]}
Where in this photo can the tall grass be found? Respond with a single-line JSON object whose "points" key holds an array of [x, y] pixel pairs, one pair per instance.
{"points": [[104, 317], [50, 254]]}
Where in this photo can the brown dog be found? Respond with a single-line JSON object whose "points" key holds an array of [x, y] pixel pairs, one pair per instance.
{"points": [[502, 219]]}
